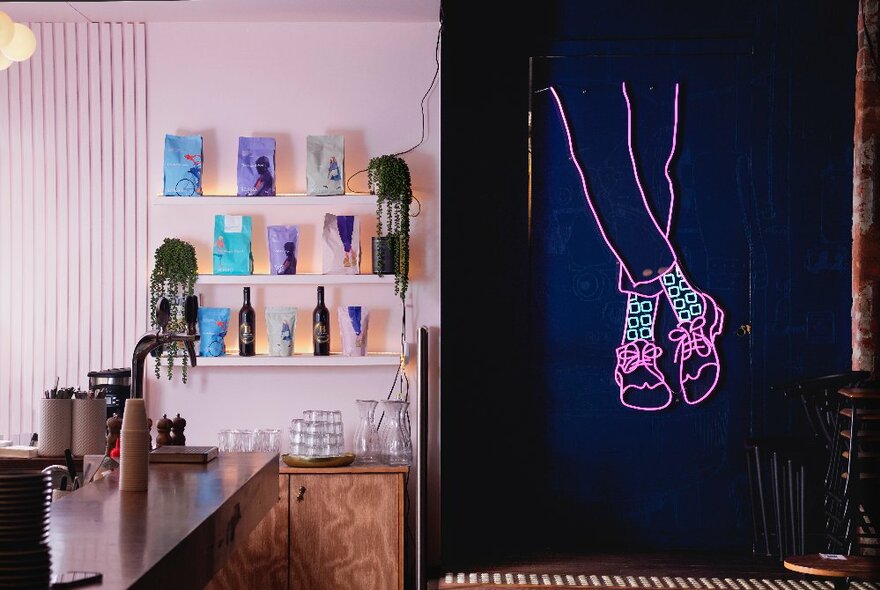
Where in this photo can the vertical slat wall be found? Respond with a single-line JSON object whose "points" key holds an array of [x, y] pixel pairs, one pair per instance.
{"points": [[73, 190]]}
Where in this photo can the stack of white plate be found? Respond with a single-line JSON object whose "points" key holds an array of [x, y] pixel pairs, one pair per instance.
{"points": [[25, 500]]}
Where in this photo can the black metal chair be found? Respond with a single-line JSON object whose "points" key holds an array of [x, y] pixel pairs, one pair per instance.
{"points": [[786, 472]]}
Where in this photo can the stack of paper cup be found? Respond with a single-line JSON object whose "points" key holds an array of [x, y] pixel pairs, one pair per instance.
{"points": [[134, 442]]}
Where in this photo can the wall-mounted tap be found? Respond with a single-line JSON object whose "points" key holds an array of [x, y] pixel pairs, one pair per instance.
{"points": [[156, 339]]}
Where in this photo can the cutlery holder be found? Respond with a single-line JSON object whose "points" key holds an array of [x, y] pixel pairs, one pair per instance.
{"points": [[89, 426], [55, 427]]}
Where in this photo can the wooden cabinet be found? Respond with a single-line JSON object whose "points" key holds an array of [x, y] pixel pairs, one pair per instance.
{"points": [[262, 561], [332, 528]]}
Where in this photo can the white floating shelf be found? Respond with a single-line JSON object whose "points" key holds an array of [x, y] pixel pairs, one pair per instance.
{"points": [[227, 200], [375, 359], [299, 279]]}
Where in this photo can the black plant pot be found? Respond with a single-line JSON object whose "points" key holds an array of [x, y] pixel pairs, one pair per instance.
{"points": [[383, 250]]}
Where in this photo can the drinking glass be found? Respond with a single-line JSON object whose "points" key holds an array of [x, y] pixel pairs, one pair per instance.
{"points": [[273, 440], [224, 441], [260, 441], [316, 415], [242, 440], [298, 437]]}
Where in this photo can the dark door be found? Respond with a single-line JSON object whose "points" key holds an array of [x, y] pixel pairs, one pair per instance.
{"points": [[644, 393]]}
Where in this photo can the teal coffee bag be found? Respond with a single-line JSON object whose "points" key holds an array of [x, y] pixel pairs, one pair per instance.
{"points": [[232, 245]]}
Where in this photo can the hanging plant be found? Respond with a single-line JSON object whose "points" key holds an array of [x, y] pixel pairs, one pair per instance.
{"points": [[390, 181], [175, 270]]}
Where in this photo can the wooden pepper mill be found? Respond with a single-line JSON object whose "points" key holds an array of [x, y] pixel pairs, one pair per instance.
{"points": [[150, 432], [114, 425], [163, 429], [177, 435]]}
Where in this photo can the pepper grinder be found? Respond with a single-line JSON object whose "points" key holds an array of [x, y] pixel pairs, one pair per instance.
{"points": [[114, 425], [177, 427], [163, 428]]}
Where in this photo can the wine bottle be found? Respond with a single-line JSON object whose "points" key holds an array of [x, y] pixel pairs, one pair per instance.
{"points": [[247, 327], [321, 326]]}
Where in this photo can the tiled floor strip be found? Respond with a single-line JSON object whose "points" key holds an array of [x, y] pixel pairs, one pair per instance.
{"points": [[501, 579]]}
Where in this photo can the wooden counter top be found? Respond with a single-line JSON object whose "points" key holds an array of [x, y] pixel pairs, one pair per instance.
{"points": [[178, 534]]}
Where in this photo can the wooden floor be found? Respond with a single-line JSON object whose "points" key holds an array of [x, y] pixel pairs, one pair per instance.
{"points": [[690, 564]]}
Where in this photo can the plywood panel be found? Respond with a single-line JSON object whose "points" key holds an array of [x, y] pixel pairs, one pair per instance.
{"points": [[344, 532], [262, 561]]}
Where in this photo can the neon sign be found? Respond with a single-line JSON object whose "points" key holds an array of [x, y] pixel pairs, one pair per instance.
{"points": [[642, 384]]}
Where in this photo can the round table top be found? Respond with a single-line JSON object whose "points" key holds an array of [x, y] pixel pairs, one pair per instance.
{"points": [[852, 566]]}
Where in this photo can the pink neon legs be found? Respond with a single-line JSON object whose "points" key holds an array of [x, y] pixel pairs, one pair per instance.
{"points": [[632, 279], [696, 354]]}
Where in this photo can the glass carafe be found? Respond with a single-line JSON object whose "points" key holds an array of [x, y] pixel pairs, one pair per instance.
{"points": [[366, 440], [395, 448]]}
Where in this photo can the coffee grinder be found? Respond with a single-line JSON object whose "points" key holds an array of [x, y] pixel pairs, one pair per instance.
{"points": [[115, 385]]}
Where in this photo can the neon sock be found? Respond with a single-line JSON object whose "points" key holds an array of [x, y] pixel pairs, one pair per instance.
{"points": [[683, 298], [639, 318]]}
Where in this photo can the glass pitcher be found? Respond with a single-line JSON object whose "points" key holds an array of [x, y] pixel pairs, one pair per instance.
{"points": [[366, 441], [395, 448]]}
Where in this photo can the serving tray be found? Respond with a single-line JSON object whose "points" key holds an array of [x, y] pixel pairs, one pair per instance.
{"points": [[335, 461]]}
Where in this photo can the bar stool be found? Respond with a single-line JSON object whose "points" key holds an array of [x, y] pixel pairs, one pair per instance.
{"points": [[785, 471], [851, 481]]}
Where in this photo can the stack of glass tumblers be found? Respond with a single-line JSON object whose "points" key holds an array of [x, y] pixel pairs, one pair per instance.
{"points": [[317, 434], [242, 440]]}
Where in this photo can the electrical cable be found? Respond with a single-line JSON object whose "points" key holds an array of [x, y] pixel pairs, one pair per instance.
{"points": [[79, 12], [424, 125]]}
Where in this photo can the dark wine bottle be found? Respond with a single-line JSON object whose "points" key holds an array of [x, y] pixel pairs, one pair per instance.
{"points": [[321, 326], [247, 327]]}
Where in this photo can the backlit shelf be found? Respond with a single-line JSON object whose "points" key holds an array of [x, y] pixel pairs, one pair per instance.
{"points": [[232, 359], [292, 199], [299, 279]]}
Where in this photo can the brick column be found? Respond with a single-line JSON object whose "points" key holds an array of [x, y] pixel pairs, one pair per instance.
{"points": [[866, 205]]}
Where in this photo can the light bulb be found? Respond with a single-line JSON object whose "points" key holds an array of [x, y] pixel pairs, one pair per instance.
{"points": [[22, 45], [6, 29], [5, 62]]}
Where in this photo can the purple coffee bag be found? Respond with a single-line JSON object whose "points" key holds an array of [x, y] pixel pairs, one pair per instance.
{"points": [[282, 249], [256, 166]]}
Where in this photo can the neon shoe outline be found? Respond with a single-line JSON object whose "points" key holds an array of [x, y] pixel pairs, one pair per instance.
{"points": [[637, 370], [693, 337]]}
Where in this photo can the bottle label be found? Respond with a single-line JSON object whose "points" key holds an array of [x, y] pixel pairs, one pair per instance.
{"points": [[245, 334], [322, 334]]}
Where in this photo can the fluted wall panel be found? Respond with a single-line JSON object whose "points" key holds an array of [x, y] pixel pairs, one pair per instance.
{"points": [[72, 211]]}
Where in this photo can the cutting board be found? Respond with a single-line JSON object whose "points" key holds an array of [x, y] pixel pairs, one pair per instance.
{"points": [[183, 454], [18, 451]]}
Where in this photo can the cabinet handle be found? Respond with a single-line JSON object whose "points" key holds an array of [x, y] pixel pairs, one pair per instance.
{"points": [[300, 493]]}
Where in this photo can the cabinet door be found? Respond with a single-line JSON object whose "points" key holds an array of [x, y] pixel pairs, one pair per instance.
{"points": [[345, 532], [261, 563]]}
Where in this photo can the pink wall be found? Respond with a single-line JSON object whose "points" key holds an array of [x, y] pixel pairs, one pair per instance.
{"points": [[289, 80]]}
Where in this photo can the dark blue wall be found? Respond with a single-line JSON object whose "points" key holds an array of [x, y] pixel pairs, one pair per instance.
{"points": [[536, 452]]}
